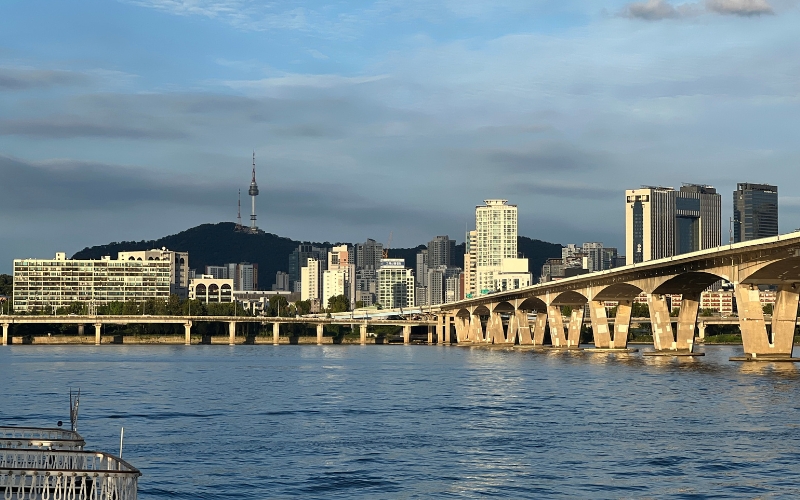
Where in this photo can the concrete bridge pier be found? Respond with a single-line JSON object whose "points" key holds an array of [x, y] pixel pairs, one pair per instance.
{"points": [[320, 330], [494, 329], [462, 329], [363, 331], [701, 330], [622, 323], [444, 330], [556, 326], [406, 334], [475, 329], [232, 333], [5, 333], [575, 324], [539, 327], [661, 323], [757, 342], [276, 333], [522, 328], [81, 331], [687, 321], [600, 330], [97, 328], [431, 329], [187, 333]]}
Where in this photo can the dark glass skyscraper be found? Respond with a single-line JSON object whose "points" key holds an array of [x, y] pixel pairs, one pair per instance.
{"points": [[755, 211]]}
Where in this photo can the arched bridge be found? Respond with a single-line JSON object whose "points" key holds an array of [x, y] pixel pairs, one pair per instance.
{"points": [[769, 261]]}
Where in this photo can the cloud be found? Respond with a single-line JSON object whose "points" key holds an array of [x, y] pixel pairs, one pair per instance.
{"points": [[740, 7], [61, 128], [656, 10], [24, 79], [565, 189], [546, 157]]}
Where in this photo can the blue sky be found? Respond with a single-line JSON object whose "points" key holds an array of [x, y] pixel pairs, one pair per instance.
{"points": [[123, 120]]}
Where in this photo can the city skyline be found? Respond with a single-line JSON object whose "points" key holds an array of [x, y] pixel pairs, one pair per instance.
{"points": [[546, 104]]}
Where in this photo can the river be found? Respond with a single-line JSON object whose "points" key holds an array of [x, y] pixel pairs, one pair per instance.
{"points": [[418, 422]]}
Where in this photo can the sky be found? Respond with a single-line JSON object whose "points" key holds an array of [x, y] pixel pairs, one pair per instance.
{"points": [[135, 119]]}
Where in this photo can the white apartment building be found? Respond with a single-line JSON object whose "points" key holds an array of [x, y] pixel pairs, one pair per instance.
{"points": [[45, 284], [178, 262], [470, 261], [452, 288], [310, 277], [395, 284], [334, 282], [496, 248], [209, 289]]}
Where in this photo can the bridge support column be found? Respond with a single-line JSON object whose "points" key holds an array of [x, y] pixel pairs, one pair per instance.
{"points": [[687, 321], [575, 324], [406, 334], [276, 333], [756, 340], [431, 329], [556, 326], [444, 335], [188, 333], [701, 330], [600, 330], [622, 322], [81, 331], [538, 328], [475, 329], [494, 329], [320, 330], [522, 328], [97, 327], [5, 333], [462, 329], [660, 323], [232, 333], [363, 331]]}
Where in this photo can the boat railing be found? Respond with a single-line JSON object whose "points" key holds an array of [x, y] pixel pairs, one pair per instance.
{"points": [[40, 438], [29, 474]]}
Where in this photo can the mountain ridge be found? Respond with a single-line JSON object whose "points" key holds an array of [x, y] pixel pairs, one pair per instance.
{"points": [[216, 244]]}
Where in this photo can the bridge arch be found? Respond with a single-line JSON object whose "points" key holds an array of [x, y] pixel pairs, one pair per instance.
{"points": [[504, 307], [618, 291], [463, 313], [569, 298], [532, 304], [692, 282], [784, 270], [481, 310]]}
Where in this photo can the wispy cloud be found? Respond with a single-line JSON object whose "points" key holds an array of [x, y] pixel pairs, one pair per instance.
{"points": [[740, 7], [66, 128], [656, 10], [24, 79]]}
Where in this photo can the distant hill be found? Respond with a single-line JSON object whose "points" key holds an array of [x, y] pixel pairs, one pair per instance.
{"points": [[216, 244]]}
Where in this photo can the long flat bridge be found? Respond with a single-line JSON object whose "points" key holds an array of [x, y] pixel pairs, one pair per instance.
{"points": [[529, 311]]}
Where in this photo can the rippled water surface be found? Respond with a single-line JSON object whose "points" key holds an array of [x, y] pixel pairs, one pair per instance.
{"points": [[258, 422]]}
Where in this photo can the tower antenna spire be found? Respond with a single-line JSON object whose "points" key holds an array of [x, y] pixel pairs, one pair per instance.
{"points": [[253, 193], [239, 211]]}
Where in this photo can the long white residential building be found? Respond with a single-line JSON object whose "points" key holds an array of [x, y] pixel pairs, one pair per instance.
{"points": [[45, 284], [496, 264], [395, 284]]}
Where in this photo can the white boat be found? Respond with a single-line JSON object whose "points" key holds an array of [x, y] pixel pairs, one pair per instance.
{"points": [[51, 464]]}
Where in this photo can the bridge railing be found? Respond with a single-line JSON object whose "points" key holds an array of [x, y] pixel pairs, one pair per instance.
{"points": [[78, 475], [40, 438]]}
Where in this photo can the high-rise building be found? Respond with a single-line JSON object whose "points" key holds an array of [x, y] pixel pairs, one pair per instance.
{"points": [[440, 251], [369, 254], [422, 268], [246, 277], [310, 277], [452, 287], [661, 222], [470, 264], [217, 272], [281, 281], [339, 278], [395, 284], [755, 211], [298, 259], [496, 247]]}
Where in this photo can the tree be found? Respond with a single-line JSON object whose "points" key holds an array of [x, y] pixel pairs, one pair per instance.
{"points": [[303, 307], [768, 308], [278, 306], [359, 304], [640, 310], [338, 303]]}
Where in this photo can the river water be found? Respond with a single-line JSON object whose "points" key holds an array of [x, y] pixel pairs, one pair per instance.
{"points": [[371, 422]]}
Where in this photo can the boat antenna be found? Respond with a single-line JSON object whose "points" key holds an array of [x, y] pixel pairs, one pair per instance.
{"points": [[73, 409]]}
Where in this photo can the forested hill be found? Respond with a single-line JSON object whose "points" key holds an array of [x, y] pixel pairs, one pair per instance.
{"points": [[216, 244]]}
